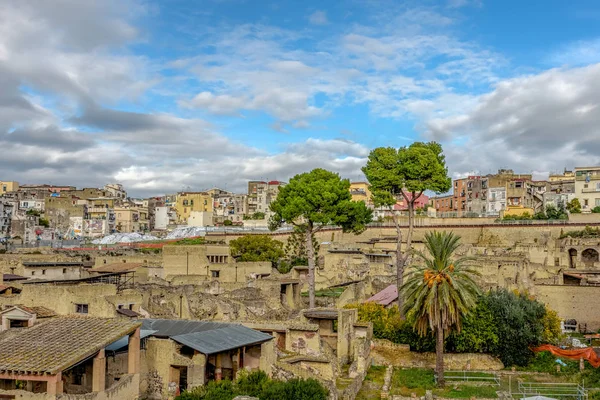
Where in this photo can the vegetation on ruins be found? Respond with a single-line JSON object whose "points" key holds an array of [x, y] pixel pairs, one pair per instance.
{"points": [[312, 200], [440, 292], [481, 329], [405, 173], [256, 216], [585, 233], [574, 206], [257, 248], [258, 384]]}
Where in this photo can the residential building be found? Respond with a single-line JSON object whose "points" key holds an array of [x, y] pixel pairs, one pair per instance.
{"points": [[27, 205], [163, 217], [442, 204], [476, 194], [131, 219], [587, 187], [261, 194], [230, 206], [6, 211], [192, 201], [8, 187], [460, 195], [420, 202], [496, 200], [565, 176], [201, 218], [116, 190], [361, 191], [60, 210]]}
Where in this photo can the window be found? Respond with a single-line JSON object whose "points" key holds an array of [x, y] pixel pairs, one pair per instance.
{"points": [[597, 202], [131, 307], [64, 270], [192, 203], [32, 273], [585, 185], [519, 184], [81, 308], [586, 202], [215, 274]]}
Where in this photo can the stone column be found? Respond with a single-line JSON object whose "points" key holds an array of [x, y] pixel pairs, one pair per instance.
{"points": [[54, 384], [134, 352], [99, 372]]}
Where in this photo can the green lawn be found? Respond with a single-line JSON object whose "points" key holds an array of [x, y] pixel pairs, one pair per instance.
{"points": [[418, 380], [329, 292]]}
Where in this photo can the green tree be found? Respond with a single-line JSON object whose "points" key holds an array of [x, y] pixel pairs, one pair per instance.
{"points": [[44, 222], [596, 210], [312, 200], [257, 248], [478, 334], [574, 206], [295, 248], [519, 320], [440, 292], [405, 173], [552, 331]]}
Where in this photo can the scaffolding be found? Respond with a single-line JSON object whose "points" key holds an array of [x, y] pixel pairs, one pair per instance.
{"points": [[561, 391]]}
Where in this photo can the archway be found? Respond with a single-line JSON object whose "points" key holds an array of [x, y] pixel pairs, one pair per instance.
{"points": [[590, 256], [572, 258]]}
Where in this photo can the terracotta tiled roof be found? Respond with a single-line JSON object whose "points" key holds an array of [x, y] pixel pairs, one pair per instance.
{"points": [[39, 311], [53, 346], [117, 267]]}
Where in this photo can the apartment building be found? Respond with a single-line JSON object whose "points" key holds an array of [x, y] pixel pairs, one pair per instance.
{"points": [[442, 204], [261, 194], [131, 219], [230, 206], [361, 191], [8, 187], [192, 201], [587, 187], [6, 210]]}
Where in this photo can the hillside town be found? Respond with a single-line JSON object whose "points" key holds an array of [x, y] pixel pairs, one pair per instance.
{"points": [[172, 293], [299, 200], [43, 212]]}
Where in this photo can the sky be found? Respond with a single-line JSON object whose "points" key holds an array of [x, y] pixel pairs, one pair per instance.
{"points": [[171, 95]]}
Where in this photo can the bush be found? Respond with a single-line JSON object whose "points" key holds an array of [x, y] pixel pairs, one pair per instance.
{"points": [[574, 206], [227, 222], [596, 210], [587, 232], [258, 384]]}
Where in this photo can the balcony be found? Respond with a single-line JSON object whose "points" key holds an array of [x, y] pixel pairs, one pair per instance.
{"points": [[591, 190]]}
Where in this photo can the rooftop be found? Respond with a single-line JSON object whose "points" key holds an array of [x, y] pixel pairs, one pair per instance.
{"points": [[116, 267], [204, 336], [59, 343], [52, 263], [321, 313], [386, 297]]}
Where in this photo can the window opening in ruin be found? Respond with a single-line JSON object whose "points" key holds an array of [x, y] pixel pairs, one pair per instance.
{"points": [[81, 308], [572, 258], [215, 274]]}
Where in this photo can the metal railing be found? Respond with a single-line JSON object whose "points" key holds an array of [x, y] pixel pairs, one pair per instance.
{"points": [[554, 390], [469, 376]]}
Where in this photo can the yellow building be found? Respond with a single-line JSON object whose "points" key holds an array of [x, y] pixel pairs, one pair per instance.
{"points": [[192, 201], [131, 219], [8, 186], [360, 191], [565, 176]]}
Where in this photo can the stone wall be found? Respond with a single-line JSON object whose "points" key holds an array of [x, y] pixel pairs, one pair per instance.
{"points": [[387, 353], [578, 302]]}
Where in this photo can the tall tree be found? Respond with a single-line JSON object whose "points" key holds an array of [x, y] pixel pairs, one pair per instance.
{"points": [[440, 292], [257, 248], [312, 200], [405, 173]]}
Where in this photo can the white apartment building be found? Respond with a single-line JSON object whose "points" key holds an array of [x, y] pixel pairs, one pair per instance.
{"points": [[587, 187], [496, 200]]}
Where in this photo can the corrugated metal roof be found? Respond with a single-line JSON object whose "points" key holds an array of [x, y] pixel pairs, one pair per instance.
{"points": [[127, 312], [219, 340], [124, 341], [386, 296], [13, 277], [174, 327]]}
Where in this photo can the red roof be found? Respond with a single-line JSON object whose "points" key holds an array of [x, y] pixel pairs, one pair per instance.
{"points": [[386, 297], [275, 183]]}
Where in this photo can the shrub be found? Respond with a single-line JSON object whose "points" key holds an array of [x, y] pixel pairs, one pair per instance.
{"points": [[227, 222], [596, 209], [574, 206], [258, 384]]}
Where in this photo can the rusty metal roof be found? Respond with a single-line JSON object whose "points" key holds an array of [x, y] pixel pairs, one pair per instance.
{"points": [[386, 297], [53, 346]]}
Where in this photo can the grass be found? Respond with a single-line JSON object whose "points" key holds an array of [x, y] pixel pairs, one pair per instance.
{"points": [[328, 292], [418, 380], [190, 241], [371, 387]]}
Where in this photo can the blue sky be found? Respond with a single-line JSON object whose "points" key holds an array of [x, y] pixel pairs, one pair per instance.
{"points": [[161, 95]]}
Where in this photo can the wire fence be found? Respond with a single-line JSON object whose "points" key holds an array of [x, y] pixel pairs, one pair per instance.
{"points": [[553, 390]]}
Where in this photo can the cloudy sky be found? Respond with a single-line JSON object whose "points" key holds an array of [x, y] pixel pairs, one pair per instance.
{"points": [[173, 94]]}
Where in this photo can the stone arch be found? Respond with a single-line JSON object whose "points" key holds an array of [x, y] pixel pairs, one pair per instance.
{"points": [[572, 258], [590, 256]]}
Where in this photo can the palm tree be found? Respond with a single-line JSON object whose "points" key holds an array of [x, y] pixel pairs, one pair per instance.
{"points": [[439, 292]]}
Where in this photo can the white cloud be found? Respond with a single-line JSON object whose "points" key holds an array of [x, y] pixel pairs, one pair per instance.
{"points": [[539, 123], [318, 18]]}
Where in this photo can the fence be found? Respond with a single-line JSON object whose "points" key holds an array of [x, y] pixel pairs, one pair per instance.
{"points": [[554, 390], [467, 376]]}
